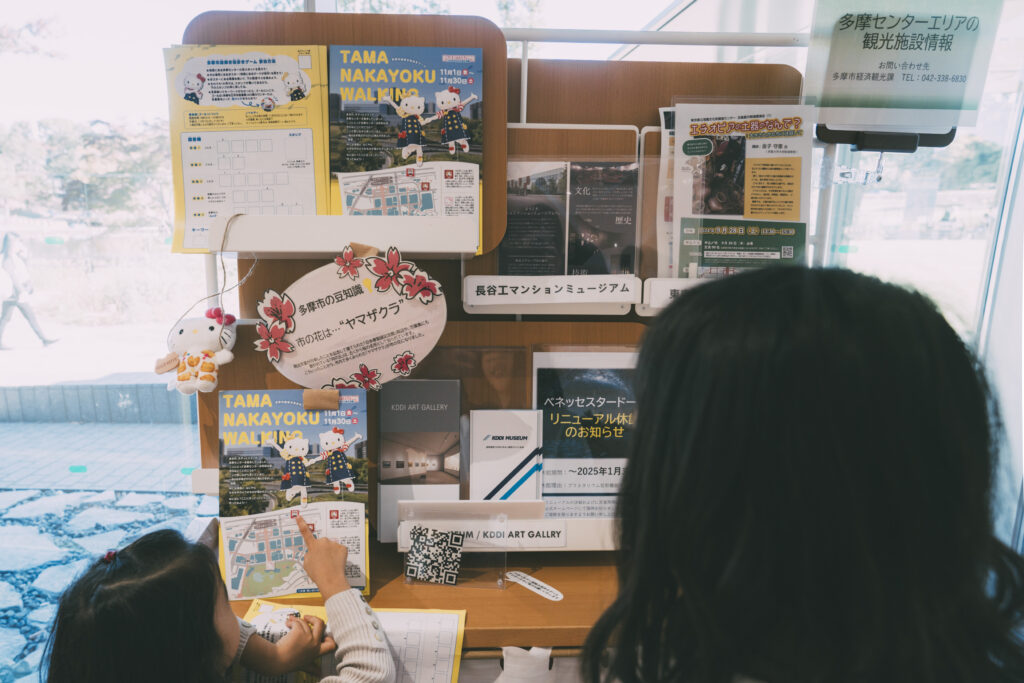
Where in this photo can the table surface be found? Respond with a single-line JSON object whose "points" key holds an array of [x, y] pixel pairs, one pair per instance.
{"points": [[497, 617]]}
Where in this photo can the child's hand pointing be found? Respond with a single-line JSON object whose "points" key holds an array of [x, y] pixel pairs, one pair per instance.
{"points": [[324, 561]]}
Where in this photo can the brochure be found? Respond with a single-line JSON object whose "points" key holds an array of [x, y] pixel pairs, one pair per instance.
{"points": [[505, 454], [277, 460], [248, 134], [741, 186], [406, 130], [420, 454], [667, 234], [570, 218], [535, 231], [588, 409]]}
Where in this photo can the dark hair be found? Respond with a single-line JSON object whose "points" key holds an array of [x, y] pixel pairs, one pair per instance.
{"points": [[808, 494], [147, 614]]}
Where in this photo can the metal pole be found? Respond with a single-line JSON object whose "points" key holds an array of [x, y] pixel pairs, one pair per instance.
{"points": [[545, 35], [822, 224], [523, 72]]}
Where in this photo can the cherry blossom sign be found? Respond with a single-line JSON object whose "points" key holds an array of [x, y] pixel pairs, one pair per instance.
{"points": [[355, 322]]}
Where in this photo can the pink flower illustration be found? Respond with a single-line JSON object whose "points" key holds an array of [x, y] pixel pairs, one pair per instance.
{"points": [[419, 286], [341, 383], [388, 270], [350, 265], [277, 308], [404, 363], [367, 378], [272, 340]]}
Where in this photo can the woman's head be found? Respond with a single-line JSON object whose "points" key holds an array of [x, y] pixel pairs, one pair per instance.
{"points": [[808, 493], [153, 611]]}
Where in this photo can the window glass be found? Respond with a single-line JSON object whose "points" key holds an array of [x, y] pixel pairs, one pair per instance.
{"points": [[98, 451]]}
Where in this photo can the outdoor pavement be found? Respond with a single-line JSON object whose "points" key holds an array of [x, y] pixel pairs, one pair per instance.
{"points": [[98, 456], [68, 493]]}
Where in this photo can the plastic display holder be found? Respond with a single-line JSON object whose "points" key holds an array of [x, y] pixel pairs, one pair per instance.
{"points": [[482, 527], [319, 236], [745, 185], [571, 242]]}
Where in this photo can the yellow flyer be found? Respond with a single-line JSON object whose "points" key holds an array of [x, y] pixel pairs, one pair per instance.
{"points": [[248, 127]]}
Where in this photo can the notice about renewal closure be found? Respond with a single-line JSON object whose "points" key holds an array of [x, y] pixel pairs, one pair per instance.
{"points": [[355, 322]]}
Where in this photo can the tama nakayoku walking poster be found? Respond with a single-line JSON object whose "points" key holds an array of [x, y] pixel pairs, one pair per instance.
{"points": [[406, 130], [279, 460], [741, 186]]}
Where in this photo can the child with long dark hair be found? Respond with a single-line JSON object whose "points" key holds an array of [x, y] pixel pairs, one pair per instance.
{"points": [[808, 497], [157, 611]]}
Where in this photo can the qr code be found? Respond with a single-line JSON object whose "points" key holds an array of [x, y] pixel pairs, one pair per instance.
{"points": [[787, 252], [434, 555]]}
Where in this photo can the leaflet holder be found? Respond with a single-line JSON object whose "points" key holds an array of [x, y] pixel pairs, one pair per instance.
{"points": [[459, 543], [719, 190], [571, 244]]}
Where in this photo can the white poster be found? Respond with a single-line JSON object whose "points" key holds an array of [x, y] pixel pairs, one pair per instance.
{"points": [[741, 186], [356, 322]]}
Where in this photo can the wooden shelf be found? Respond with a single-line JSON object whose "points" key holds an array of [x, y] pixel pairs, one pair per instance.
{"points": [[252, 370], [560, 92]]}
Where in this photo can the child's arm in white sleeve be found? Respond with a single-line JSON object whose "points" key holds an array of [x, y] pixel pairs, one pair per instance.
{"points": [[363, 654]]}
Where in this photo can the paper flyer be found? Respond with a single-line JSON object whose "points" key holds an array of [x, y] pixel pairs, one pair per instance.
{"points": [[535, 231], [667, 228], [278, 460], [248, 134], [426, 643], [741, 186], [406, 130], [588, 409], [505, 455], [420, 446], [274, 454], [602, 217], [261, 555], [271, 622], [570, 218]]}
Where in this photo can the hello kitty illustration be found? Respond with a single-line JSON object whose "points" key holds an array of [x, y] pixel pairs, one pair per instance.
{"points": [[194, 87], [198, 347], [449, 110], [410, 138], [294, 477], [332, 449], [294, 85]]}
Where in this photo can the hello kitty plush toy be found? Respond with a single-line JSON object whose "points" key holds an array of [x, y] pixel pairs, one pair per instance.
{"points": [[338, 472], [198, 347], [294, 85], [449, 110], [410, 138], [194, 88]]}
